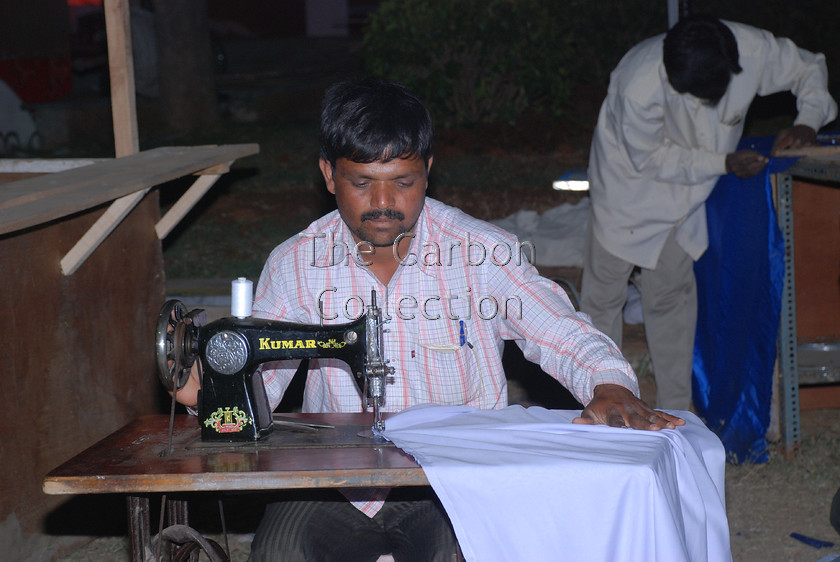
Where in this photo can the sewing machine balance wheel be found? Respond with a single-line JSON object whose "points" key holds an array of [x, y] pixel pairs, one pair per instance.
{"points": [[176, 343]]}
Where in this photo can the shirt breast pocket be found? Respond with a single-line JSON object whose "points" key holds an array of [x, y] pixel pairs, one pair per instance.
{"points": [[450, 372]]}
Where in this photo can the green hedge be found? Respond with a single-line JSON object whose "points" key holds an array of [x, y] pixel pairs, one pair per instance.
{"points": [[476, 61]]}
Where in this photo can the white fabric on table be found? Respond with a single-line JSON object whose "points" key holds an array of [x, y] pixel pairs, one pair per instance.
{"points": [[557, 235], [528, 484]]}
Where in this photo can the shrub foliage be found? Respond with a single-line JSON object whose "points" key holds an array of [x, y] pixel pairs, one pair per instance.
{"points": [[476, 61]]}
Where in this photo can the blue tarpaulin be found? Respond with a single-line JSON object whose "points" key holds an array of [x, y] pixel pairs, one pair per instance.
{"points": [[739, 289]]}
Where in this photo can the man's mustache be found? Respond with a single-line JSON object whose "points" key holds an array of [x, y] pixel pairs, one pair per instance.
{"points": [[387, 213]]}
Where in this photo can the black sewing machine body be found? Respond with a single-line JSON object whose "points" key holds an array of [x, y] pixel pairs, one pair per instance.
{"points": [[232, 403]]}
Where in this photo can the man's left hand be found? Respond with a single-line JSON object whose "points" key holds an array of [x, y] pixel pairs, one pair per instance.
{"points": [[616, 406], [794, 137]]}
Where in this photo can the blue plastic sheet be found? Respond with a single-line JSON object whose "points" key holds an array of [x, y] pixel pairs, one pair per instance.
{"points": [[739, 289]]}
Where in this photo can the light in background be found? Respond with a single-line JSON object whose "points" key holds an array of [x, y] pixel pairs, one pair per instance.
{"points": [[576, 180]]}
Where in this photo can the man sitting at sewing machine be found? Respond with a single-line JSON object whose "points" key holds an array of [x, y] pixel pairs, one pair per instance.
{"points": [[452, 287]]}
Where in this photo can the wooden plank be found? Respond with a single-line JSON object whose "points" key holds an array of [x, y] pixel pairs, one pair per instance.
{"points": [[130, 461], [812, 151], [121, 68], [816, 249], [215, 170], [44, 166], [9, 178], [126, 136], [100, 230], [818, 397], [183, 205], [37, 200], [333, 475]]}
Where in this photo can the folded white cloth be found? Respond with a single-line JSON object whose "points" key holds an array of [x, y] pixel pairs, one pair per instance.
{"points": [[527, 484]]}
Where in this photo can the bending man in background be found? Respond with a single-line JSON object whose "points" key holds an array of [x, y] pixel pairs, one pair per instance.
{"points": [[668, 129]]}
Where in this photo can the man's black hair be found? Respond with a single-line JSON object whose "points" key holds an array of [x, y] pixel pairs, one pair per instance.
{"points": [[367, 120], [701, 55]]}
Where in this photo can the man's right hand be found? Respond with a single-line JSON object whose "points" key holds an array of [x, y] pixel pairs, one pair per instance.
{"points": [[745, 163], [188, 394]]}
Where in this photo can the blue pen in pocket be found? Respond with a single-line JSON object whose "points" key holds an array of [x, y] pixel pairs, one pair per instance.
{"points": [[463, 334]]}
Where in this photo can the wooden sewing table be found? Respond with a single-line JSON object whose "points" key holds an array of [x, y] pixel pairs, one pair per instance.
{"points": [[134, 461]]}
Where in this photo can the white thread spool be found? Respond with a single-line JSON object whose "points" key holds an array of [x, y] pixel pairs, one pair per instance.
{"points": [[241, 297]]}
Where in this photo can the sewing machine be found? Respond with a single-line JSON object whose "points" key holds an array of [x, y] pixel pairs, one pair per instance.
{"points": [[232, 403]]}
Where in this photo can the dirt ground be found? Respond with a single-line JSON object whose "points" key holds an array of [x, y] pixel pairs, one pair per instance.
{"points": [[765, 503]]}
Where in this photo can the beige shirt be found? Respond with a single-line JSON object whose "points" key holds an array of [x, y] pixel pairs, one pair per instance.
{"points": [[657, 154]]}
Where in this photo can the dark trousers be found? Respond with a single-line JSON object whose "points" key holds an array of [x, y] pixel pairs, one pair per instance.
{"points": [[321, 525]]}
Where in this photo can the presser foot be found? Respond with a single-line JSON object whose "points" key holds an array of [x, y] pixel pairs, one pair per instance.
{"points": [[372, 435]]}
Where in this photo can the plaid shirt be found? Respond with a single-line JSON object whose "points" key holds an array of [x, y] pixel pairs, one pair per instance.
{"points": [[464, 287]]}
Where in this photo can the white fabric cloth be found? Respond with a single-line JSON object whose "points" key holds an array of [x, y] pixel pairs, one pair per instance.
{"points": [[558, 234], [527, 484], [656, 154]]}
